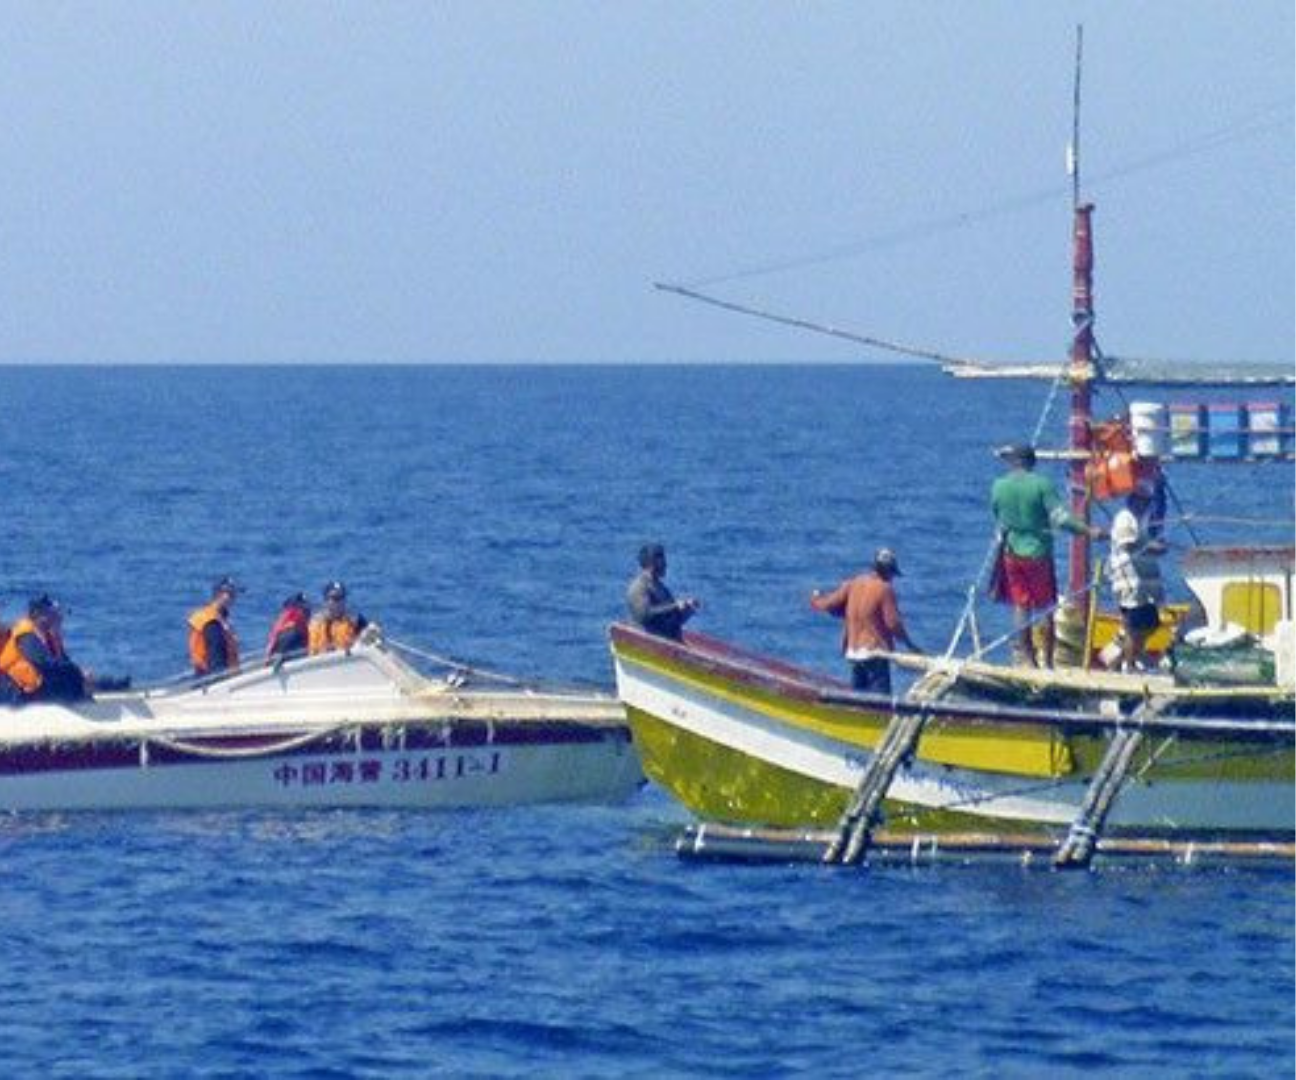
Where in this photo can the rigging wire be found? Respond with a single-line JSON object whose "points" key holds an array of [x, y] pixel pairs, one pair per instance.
{"points": [[1267, 117]]}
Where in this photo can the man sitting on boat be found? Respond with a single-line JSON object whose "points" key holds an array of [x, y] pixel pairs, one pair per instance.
{"points": [[335, 629], [34, 664], [213, 645], [290, 634], [871, 622], [1026, 510], [651, 604]]}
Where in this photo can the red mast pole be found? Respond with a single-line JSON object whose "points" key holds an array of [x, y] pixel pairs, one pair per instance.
{"points": [[1081, 375]]}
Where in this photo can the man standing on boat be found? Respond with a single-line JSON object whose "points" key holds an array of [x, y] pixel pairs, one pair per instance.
{"points": [[651, 604], [1135, 575], [1027, 509], [213, 645], [871, 622]]}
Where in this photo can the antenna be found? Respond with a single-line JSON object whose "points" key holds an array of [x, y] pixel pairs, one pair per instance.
{"points": [[1073, 151]]}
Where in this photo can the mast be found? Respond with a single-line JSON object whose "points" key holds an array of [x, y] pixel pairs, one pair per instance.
{"points": [[1082, 346]]}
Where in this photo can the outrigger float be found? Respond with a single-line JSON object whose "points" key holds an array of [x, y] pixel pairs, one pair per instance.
{"points": [[1056, 766], [362, 728]]}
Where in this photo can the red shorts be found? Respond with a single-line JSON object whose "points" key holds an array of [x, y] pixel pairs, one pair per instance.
{"points": [[1029, 583]]}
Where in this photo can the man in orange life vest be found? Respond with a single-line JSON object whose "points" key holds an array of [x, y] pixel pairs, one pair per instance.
{"points": [[335, 628], [213, 646], [34, 663], [290, 634]]}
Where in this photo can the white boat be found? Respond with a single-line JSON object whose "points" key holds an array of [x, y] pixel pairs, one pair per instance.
{"points": [[357, 728]]}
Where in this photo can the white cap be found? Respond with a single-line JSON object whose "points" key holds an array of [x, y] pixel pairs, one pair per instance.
{"points": [[1125, 530]]}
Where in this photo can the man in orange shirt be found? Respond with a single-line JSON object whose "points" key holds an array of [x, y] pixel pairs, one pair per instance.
{"points": [[871, 622]]}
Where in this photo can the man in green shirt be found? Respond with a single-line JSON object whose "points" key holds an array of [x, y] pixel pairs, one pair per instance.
{"points": [[1027, 509]]}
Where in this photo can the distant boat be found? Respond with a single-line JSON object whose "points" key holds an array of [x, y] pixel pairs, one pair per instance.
{"points": [[361, 728], [1132, 372]]}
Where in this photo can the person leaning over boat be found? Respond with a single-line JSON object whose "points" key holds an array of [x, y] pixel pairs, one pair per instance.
{"points": [[1027, 509], [213, 645], [1135, 576], [335, 629], [651, 604], [290, 633], [34, 663], [871, 622]]}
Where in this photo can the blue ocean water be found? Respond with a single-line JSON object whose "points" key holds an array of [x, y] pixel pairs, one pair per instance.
{"points": [[493, 514]]}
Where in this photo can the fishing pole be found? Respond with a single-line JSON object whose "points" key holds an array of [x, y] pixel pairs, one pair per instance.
{"points": [[818, 328]]}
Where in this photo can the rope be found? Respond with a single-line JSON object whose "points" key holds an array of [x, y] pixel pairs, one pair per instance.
{"points": [[1054, 784], [988, 559], [468, 671], [452, 664], [1220, 519], [240, 752]]}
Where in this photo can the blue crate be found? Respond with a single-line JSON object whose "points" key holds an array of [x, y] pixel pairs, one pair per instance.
{"points": [[1228, 431]]}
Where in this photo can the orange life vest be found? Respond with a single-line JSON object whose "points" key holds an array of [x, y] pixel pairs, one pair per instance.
{"points": [[198, 622], [328, 634], [25, 675]]}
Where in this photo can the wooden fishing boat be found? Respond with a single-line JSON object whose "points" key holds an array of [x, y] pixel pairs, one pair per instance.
{"points": [[357, 728], [1062, 759], [739, 737]]}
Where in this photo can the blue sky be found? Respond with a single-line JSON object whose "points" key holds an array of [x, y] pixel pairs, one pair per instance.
{"points": [[450, 182]]}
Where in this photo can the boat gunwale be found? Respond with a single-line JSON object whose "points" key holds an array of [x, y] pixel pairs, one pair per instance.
{"points": [[719, 658]]}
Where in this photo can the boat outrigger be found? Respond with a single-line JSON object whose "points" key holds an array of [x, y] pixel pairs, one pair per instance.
{"points": [[978, 755], [361, 728]]}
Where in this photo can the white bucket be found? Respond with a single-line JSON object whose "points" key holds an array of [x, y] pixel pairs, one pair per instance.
{"points": [[1148, 426]]}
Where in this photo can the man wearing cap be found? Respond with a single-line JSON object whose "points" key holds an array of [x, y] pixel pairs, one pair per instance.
{"points": [[871, 622], [34, 663], [650, 603], [291, 631], [1027, 509], [335, 629], [1135, 574], [213, 645]]}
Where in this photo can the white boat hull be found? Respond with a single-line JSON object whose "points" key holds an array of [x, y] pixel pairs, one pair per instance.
{"points": [[345, 730], [602, 771]]}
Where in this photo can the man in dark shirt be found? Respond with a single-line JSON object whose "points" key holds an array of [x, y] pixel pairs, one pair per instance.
{"points": [[651, 604]]}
